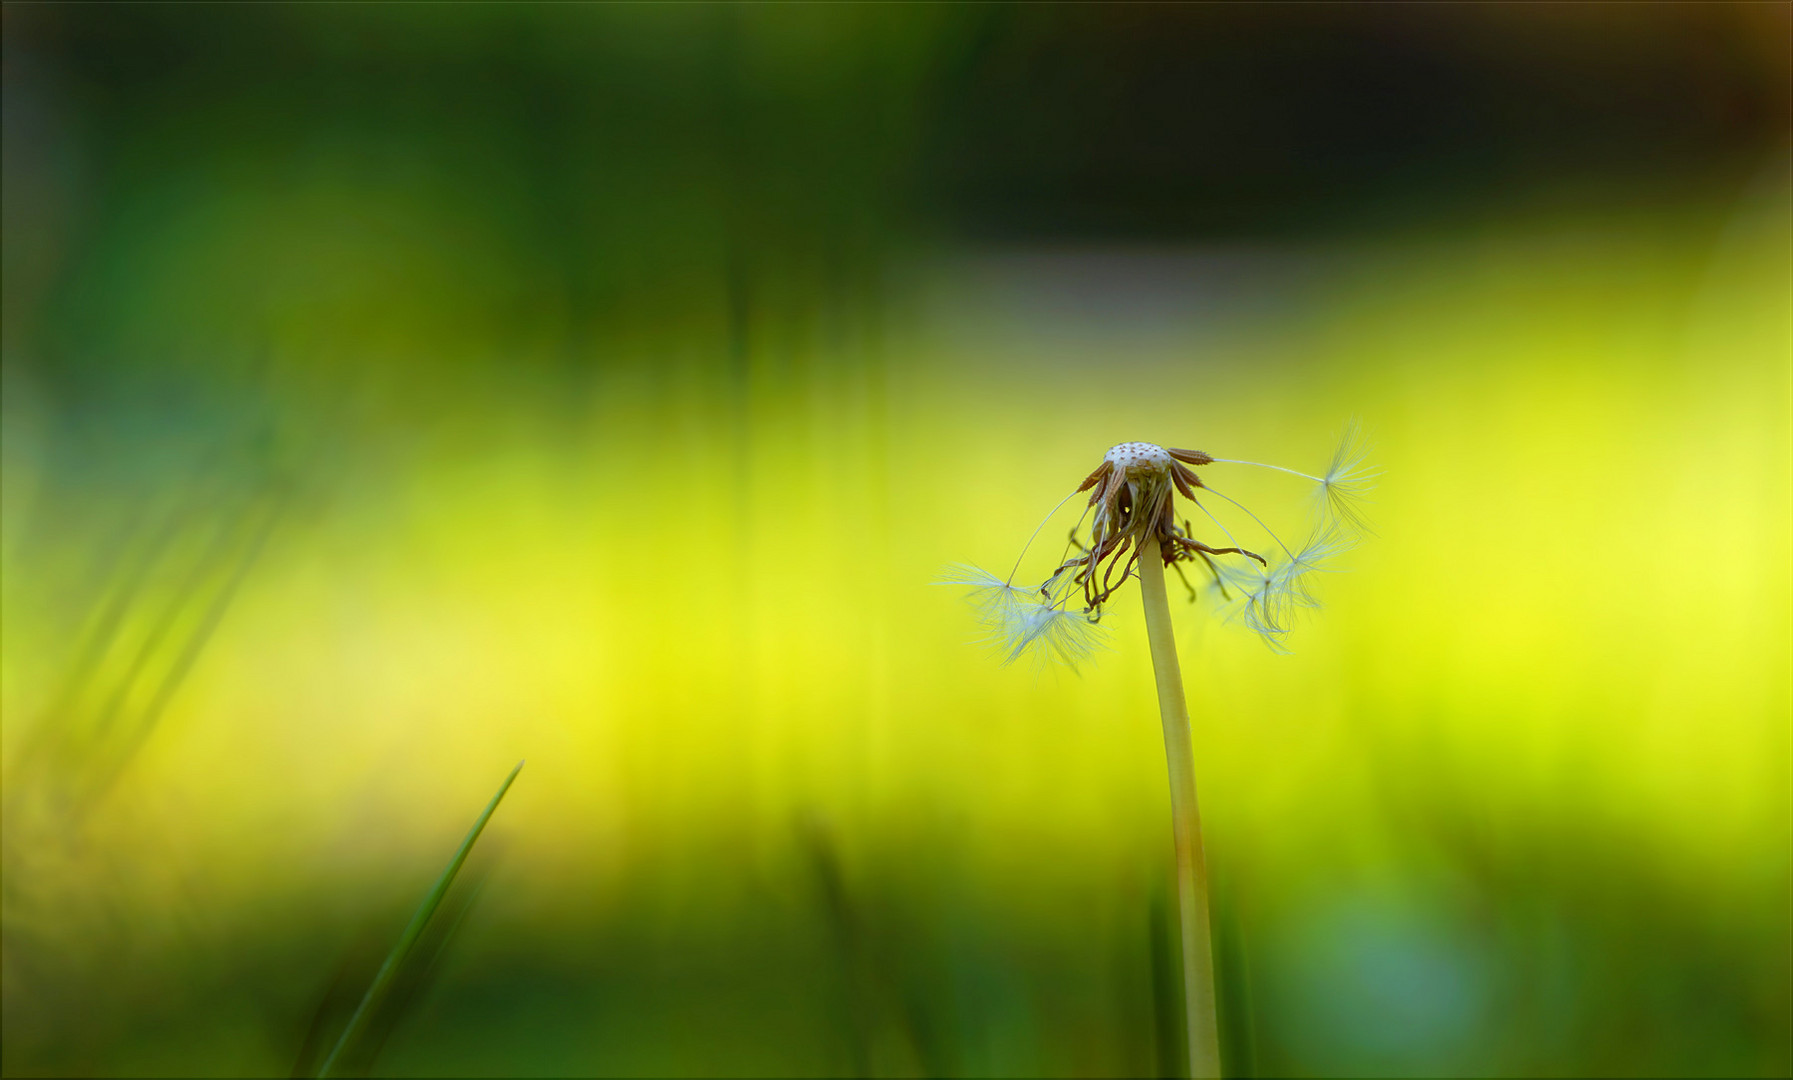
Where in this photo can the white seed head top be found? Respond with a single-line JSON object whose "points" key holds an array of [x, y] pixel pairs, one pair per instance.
{"points": [[1139, 458]]}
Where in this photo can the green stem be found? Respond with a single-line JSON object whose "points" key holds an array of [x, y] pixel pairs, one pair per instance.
{"points": [[1186, 820], [394, 959]]}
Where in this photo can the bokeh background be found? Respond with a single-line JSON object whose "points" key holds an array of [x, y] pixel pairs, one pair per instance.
{"points": [[394, 392]]}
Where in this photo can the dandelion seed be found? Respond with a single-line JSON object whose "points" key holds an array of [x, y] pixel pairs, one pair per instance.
{"points": [[990, 596], [1255, 598], [1045, 633], [1348, 480], [1339, 496], [1315, 557], [1025, 622], [1266, 599]]}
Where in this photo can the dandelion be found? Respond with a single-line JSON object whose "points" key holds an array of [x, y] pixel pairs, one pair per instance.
{"points": [[1132, 508], [1134, 532]]}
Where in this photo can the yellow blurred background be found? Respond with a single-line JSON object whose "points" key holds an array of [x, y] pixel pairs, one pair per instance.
{"points": [[342, 471]]}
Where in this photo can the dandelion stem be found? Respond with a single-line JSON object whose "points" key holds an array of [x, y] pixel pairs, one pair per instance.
{"points": [[1186, 820]]}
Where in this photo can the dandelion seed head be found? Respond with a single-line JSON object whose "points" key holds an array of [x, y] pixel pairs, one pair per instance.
{"points": [[1138, 458], [1132, 515]]}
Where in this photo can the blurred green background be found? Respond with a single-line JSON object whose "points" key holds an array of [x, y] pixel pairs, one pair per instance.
{"points": [[392, 392]]}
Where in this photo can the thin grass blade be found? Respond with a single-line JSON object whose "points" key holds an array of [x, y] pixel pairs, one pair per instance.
{"points": [[395, 959]]}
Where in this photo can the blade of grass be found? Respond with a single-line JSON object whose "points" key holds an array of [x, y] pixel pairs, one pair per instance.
{"points": [[376, 990]]}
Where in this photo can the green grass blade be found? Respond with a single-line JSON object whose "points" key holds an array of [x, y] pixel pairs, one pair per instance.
{"points": [[396, 958]]}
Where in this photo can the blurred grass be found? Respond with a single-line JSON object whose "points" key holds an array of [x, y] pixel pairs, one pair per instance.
{"points": [[636, 457]]}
